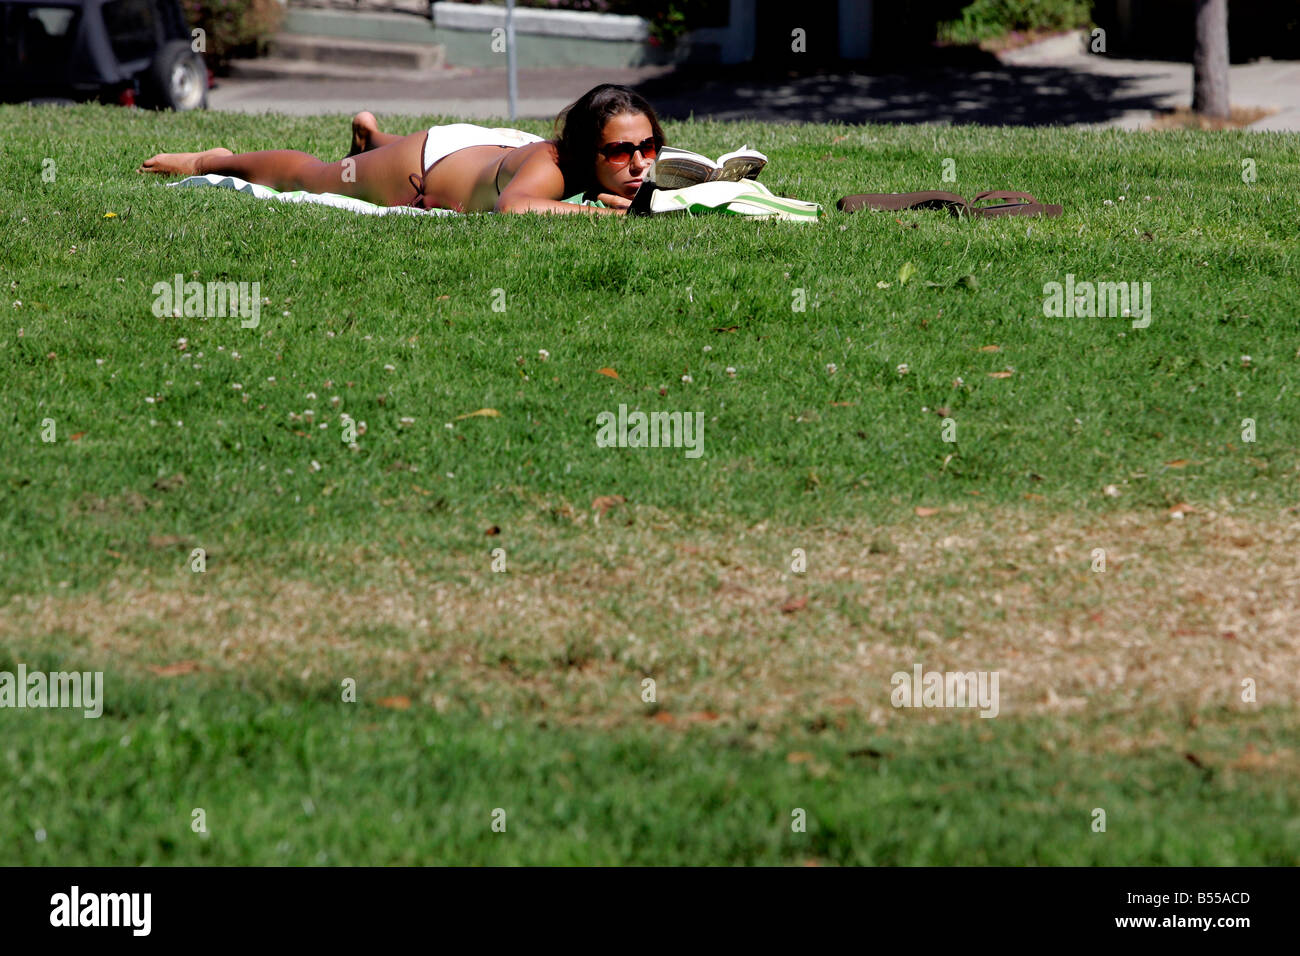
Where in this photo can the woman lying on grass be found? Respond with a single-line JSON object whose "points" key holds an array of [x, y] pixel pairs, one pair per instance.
{"points": [[604, 143]]}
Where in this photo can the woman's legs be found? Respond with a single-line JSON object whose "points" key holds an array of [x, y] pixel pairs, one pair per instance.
{"points": [[380, 175]]}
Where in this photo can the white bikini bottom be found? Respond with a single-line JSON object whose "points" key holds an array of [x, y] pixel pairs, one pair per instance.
{"points": [[442, 141]]}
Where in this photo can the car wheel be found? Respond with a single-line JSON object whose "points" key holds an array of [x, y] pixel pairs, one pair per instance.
{"points": [[178, 79]]}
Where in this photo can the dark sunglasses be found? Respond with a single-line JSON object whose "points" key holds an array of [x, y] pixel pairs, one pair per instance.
{"points": [[620, 154]]}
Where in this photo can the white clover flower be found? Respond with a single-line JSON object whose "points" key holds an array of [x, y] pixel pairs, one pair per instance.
{"points": [[315, 465], [311, 396], [99, 361], [236, 386], [708, 348], [182, 343], [361, 428], [687, 379], [334, 400], [406, 421], [1121, 198], [903, 369], [1107, 202], [390, 368], [150, 399], [831, 368], [234, 355], [543, 354], [449, 426], [731, 370], [1245, 360]]}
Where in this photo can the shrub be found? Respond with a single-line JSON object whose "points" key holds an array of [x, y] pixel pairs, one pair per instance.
{"points": [[234, 27], [668, 21]]}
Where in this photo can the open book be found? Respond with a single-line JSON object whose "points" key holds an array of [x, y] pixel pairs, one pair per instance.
{"points": [[677, 168]]}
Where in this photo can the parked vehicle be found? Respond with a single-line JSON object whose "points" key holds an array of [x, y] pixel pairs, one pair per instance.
{"points": [[123, 51]]}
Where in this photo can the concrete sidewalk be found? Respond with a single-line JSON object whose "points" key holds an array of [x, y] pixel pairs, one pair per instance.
{"points": [[1271, 84], [1053, 82]]}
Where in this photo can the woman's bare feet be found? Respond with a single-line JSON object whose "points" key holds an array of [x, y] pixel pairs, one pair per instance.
{"points": [[181, 164], [363, 127]]}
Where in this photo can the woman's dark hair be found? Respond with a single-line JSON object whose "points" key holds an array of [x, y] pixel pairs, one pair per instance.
{"points": [[579, 126]]}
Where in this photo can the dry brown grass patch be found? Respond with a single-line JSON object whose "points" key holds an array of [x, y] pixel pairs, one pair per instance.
{"points": [[1187, 608]]}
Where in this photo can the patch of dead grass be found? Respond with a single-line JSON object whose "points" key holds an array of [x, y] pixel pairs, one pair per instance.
{"points": [[1187, 608]]}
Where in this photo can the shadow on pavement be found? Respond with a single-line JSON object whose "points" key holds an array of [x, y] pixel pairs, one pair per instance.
{"points": [[995, 94]]}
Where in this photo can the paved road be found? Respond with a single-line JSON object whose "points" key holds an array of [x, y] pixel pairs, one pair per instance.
{"points": [[1052, 82]]}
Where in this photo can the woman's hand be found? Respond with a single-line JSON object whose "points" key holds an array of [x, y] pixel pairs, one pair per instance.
{"points": [[614, 202]]}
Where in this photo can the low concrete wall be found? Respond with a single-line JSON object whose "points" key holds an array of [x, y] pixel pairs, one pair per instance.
{"points": [[545, 38]]}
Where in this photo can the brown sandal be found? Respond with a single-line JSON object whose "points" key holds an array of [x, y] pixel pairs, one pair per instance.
{"points": [[897, 202]]}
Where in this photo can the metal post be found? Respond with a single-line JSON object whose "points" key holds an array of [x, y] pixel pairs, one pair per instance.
{"points": [[511, 66]]}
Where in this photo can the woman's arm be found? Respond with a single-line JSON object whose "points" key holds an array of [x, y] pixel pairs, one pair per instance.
{"points": [[540, 178]]}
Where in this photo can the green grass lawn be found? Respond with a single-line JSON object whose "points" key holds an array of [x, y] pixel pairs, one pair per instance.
{"points": [[823, 430]]}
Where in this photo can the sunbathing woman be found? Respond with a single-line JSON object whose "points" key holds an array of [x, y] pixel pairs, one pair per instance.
{"points": [[604, 144]]}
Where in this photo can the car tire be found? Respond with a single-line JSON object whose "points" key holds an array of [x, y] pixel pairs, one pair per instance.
{"points": [[177, 79]]}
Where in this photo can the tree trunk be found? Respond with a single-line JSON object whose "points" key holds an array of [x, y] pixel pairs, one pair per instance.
{"points": [[1210, 59]]}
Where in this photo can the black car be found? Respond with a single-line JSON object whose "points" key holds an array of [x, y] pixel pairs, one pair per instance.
{"points": [[123, 51]]}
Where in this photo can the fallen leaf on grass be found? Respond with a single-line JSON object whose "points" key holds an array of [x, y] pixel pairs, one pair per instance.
{"points": [[492, 531], [1176, 463], [1001, 374], [663, 717], [844, 404], [77, 437], [729, 328], [480, 413], [161, 542], [175, 670], [704, 717], [989, 348], [395, 703], [794, 604], [605, 502], [607, 371], [925, 512], [1180, 509], [798, 756]]}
